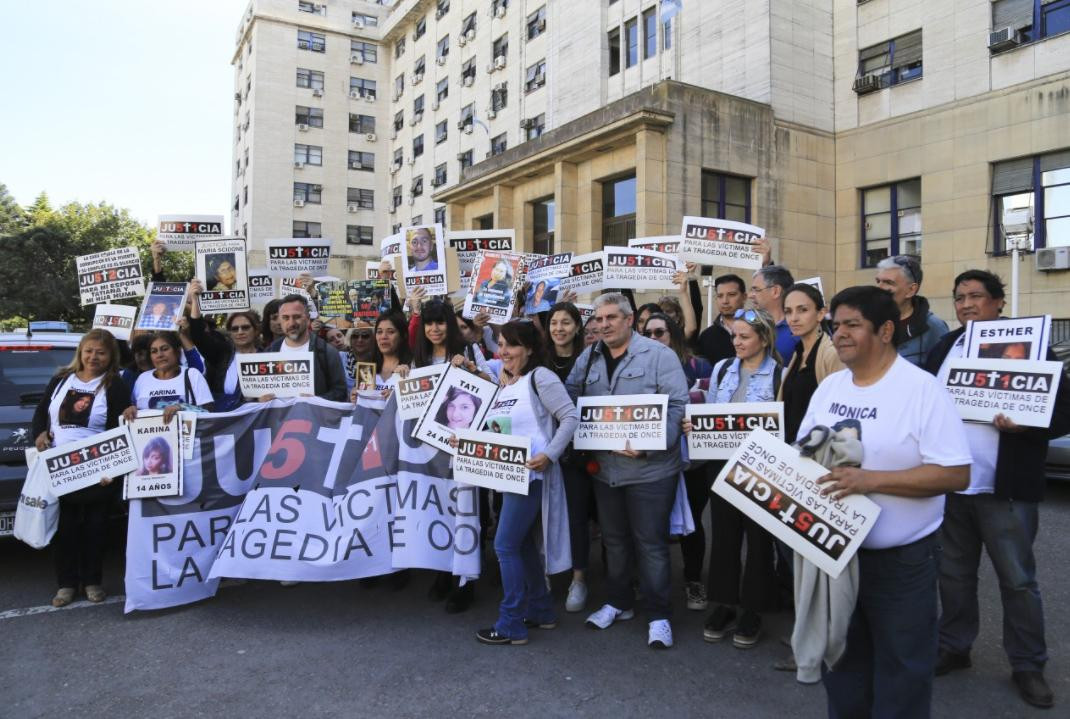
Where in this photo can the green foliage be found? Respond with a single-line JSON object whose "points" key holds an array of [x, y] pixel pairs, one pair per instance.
{"points": [[39, 247], [12, 217]]}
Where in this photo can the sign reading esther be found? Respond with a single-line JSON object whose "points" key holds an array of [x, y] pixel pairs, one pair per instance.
{"points": [[1023, 390], [717, 430], [725, 243], [492, 460], [1010, 339], [628, 421], [283, 374], [770, 482], [81, 464]]}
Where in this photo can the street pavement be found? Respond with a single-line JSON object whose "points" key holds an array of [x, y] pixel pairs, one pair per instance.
{"points": [[344, 649]]}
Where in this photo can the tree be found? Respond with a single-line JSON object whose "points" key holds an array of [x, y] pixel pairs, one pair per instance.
{"points": [[12, 217]]}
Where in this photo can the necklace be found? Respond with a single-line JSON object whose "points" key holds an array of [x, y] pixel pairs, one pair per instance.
{"points": [[561, 363]]}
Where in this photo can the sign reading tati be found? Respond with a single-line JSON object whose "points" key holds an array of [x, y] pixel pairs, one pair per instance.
{"points": [[726, 243]]}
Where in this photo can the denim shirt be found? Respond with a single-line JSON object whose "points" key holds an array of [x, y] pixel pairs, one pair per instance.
{"points": [[759, 389]]}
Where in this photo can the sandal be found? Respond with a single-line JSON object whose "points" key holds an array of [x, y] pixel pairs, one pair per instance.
{"points": [[63, 597], [95, 593]]}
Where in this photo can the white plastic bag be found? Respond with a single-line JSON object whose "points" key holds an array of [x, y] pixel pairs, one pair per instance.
{"points": [[37, 514]]}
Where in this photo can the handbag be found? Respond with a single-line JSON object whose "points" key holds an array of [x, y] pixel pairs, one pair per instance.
{"points": [[37, 514]]}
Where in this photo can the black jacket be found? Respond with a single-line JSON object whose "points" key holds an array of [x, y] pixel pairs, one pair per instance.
{"points": [[330, 376], [715, 343], [216, 349], [1020, 460]]}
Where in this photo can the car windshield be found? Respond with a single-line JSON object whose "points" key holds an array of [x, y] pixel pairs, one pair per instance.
{"points": [[25, 371]]}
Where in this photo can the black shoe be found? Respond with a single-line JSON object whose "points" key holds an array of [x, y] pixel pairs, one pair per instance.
{"points": [[441, 587], [532, 624], [400, 580], [948, 661], [748, 630], [460, 599], [491, 636], [1034, 689], [719, 623]]}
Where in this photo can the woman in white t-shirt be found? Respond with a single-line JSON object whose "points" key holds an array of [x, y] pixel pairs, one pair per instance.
{"points": [[390, 352], [83, 399], [169, 386]]}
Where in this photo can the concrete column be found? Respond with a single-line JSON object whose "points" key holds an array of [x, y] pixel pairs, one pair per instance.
{"points": [[650, 195], [455, 213], [566, 206], [504, 216]]}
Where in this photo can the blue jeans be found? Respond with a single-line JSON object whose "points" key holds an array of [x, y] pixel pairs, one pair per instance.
{"points": [[887, 668], [1006, 530], [635, 521], [523, 577]]}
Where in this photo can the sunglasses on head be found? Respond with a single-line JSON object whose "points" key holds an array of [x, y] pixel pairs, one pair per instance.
{"points": [[749, 316]]}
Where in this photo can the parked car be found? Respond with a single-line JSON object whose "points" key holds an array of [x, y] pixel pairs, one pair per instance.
{"points": [[1057, 466], [27, 363]]}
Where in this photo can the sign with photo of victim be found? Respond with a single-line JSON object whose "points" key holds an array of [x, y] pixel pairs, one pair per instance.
{"points": [[163, 306], [293, 256], [770, 482], [77, 465], [158, 448], [717, 430], [1021, 338], [1023, 390], [492, 286], [117, 319], [460, 401], [109, 275], [586, 274], [220, 266], [261, 287], [416, 390], [669, 244], [725, 243], [423, 259], [283, 374], [470, 245], [638, 269], [492, 460], [181, 232], [627, 421]]}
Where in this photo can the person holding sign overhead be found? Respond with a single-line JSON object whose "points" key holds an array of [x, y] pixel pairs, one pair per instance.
{"points": [[999, 511], [634, 490], [85, 398]]}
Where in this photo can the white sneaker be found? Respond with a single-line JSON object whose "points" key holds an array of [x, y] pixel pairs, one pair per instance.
{"points": [[607, 615], [577, 596], [659, 634]]}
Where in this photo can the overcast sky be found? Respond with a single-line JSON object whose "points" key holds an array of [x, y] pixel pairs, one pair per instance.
{"points": [[123, 101]]}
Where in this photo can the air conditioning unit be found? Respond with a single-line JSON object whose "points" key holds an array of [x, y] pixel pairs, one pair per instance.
{"points": [[468, 80], [317, 92], [358, 23], [356, 58], [527, 123], [394, 134], [394, 167], [299, 202], [412, 120], [393, 209], [499, 62], [435, 183], [354, 94], [412, 200], [417, 78], [434, 106], [354, 165], [468, 129], [397, 96], [302, 127], [419, 117], [298, 165], [439, 13], [866, 84], [1004, 39], [412, 161], [471, 35], [460, 155], [1050, 259], [541, 26], [371, 137], [499, 11], [353, 208], [441, 60], [490, 68], [237, 97], [491, 113], [369, 97], [462, 40]]}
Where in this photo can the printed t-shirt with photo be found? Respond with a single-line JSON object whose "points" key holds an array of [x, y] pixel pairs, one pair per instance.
{"points": [[78, 409], [152, 393], [904, 420], [512, 412]]}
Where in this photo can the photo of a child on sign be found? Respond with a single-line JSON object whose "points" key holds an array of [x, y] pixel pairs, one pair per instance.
{"points": [[222, 275], [156, 458], [459, 409]]}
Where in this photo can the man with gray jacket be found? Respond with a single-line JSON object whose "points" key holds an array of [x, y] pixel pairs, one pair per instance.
{"points": [[634, 490]]}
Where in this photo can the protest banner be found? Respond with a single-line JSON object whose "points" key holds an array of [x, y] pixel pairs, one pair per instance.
{"points": [[416, 390], [187, 424], [772, 484], [390, 247], [373, 271], [814, 282], [163, 306], [627, 421], [221, 268], [1023, 390], [709, 241], [586, 274], [586, 311], [181, 232], [423, 262], [492, 287], [261, 287], [1020, 338], [283, 374], [352, 301], [117, 319], [460, 401], [717, 430], [470, 246], [109, 275], [158, 447], [544, 267], [80, 464], [491, 460], [667, 244], [637, 269], [297, 255]]}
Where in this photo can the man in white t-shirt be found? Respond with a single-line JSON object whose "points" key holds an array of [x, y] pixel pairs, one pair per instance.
{"points": [[328, 375], [914, 451]]}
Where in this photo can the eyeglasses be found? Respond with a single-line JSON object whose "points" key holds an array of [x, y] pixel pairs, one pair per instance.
{"points": [[241, 328], [658, 332], [756, 290], [363, 335]]}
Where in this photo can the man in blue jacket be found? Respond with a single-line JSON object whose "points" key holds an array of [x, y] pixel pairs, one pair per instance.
{"points": [[999, 512], [918, 329]]}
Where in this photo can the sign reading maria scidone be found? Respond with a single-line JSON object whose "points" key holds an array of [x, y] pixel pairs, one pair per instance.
{"points": [[492, 460], [81, 464], [109, 275], [181, 232], [772, 484], [297, 255], [1023, 390], [221, 268], [628, 421], [717, 430], [709, 241], [283, 374]]}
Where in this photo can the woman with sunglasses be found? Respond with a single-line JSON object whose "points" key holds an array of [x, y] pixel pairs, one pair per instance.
{"points": [[741, 590], [814, 358], [243, 328]]}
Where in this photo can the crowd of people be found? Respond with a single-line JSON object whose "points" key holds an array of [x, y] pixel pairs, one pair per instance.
{"points": [[946, 488]]}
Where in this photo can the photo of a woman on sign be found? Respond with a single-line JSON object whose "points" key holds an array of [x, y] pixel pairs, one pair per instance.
{"points": [[222, 275], [495, 289], [421, 244], [1005, 350], [459, 409], [155, 458], [541, 296]]}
